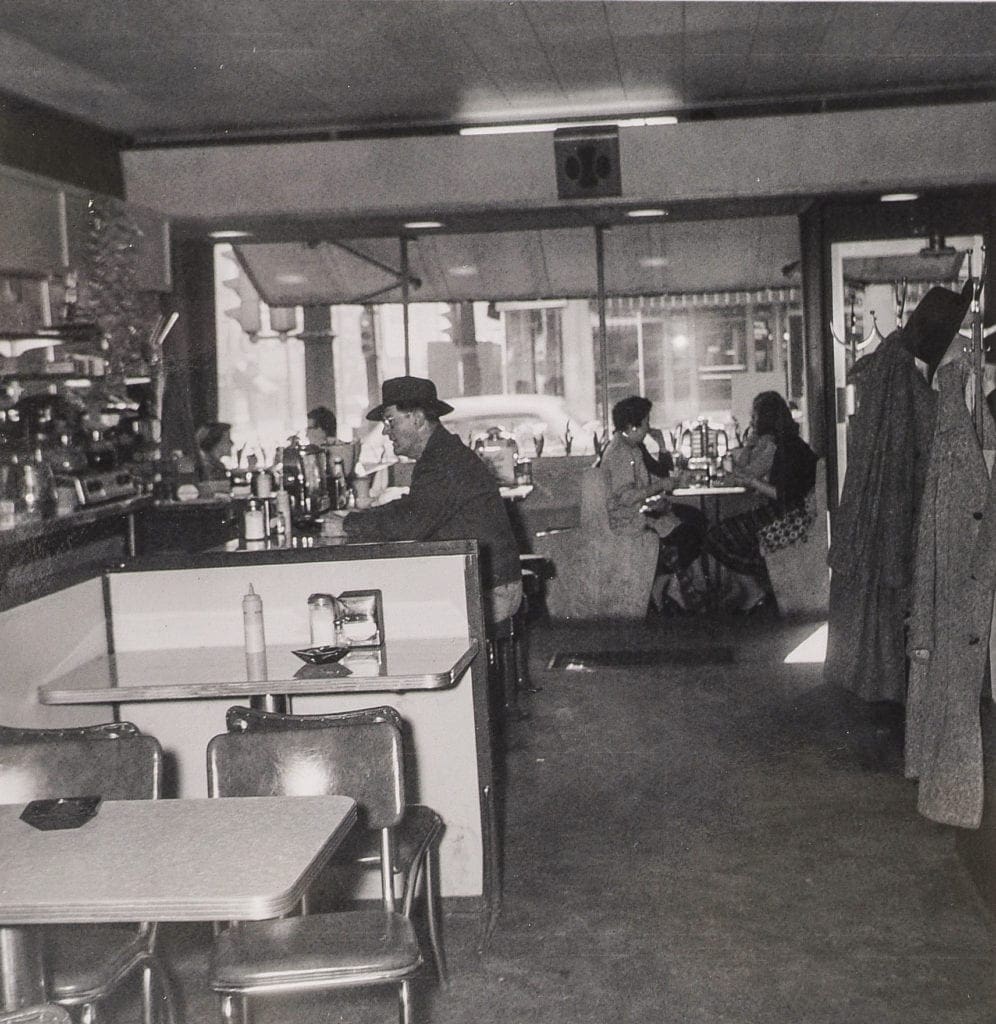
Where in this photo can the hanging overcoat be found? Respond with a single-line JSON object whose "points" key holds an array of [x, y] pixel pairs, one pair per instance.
{"points": [[947, 646], [874, 530]]}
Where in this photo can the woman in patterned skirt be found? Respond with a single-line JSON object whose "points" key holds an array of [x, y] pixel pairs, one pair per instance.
{"points": [[779, 469]]}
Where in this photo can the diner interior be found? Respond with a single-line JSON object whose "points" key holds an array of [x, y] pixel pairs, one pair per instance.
{"points": [[617, 805]]}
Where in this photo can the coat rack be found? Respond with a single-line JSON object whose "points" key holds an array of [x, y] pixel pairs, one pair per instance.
{"points": [[853, 343]]}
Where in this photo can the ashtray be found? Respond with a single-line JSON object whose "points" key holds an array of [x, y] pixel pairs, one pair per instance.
{"points": [[321, 655], [60, 813]]}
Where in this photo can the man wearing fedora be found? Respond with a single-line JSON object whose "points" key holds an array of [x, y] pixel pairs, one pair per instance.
{"points": [[453, 495]]}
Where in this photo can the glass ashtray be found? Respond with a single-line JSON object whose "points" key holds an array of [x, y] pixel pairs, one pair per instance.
{"points": [[321, 655]]}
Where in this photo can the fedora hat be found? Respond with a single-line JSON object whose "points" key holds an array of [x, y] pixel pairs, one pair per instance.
{"points": [[934, 323], [409, 391]]}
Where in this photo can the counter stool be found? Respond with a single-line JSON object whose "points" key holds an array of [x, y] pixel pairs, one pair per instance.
{"points": [[508, 662]]}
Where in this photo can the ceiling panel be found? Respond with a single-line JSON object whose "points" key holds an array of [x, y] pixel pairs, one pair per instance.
{"points": [[192, 69], [218, 70]]}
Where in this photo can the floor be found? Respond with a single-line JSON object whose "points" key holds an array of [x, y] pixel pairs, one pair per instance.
{"points": [[699, 844]]}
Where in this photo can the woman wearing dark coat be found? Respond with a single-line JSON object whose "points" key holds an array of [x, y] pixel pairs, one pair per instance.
{"points": [[781, 473]]}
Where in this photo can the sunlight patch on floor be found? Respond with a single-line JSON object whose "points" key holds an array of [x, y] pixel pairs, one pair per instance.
{"points": [[812, 650]]}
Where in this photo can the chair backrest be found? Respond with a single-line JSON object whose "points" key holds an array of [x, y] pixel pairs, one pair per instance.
{"points": [[113, 761], [355, 753], [352, 755], [242, 719]]}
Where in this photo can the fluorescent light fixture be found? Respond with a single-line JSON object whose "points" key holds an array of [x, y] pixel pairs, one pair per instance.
{"points": [[291, 278], [226, 235], [465, 270], [648, 212], [899, 197], [552, 126], [423, 225], [653, 262]]}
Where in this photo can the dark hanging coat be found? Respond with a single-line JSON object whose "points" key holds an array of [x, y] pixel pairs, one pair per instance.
{"points": [[949, 624], [874, 531]]}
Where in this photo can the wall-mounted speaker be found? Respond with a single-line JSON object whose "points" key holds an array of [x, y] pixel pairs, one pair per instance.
{"points": [[587, 162]]}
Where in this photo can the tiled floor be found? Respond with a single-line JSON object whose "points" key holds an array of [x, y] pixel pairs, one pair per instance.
{"points": [[718, 844]]}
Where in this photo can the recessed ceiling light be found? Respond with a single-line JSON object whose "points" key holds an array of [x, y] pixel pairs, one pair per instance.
{"points": [[654, 261], [223, 235], [899, 197], [291, 278], [465, 270], [423, 225], [649, 212]]}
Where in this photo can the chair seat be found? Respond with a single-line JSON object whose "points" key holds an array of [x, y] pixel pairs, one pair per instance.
{"points": [[320, 951], [89, 961], [412, 836]]}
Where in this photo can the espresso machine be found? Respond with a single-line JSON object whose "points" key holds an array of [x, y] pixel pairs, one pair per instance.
{"points": [[305, 477], [82, 459]]}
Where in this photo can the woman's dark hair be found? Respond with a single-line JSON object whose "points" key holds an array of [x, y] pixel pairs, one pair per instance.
{"points": [[630, 412], [773, 416], [210, 434], [324, 418]]}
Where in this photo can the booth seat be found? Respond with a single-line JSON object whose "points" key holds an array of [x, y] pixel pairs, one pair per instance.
{"points": [[799, 574], [597, 572]]}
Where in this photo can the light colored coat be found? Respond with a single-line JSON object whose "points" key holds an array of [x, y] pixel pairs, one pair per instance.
{"points": [[947, 644]]}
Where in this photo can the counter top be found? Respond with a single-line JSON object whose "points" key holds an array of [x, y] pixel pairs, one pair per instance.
{"points": [[29, 529], [194, 673]]}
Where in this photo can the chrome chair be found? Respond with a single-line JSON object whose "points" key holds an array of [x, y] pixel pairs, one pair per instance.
{"points": [[416, 837], [45, 1013], [115, 761], [355, 756]]}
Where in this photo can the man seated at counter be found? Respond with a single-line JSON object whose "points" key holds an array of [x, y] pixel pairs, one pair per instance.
{"points": [[453, 495]]}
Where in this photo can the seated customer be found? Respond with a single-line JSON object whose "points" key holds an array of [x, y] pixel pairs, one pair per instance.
{"points": [[214, 442], [322, 426], [780, 469], [453, 495], [633, 476]]}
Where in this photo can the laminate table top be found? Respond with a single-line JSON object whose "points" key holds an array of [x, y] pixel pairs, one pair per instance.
{"points": [[232, 858], [191, 673]]}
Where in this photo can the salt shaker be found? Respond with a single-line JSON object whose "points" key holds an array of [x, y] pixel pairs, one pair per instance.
{"points": [[321, 618]]}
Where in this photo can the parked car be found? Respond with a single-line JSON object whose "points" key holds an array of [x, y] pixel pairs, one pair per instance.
{"points": [[526, 418]]}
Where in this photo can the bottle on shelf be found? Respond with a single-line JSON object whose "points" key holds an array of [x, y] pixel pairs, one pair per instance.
{"points": [[340, 497], [255, 520]]}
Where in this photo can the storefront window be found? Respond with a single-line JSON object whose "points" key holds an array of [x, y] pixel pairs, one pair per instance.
{"points": [[688, 362]]}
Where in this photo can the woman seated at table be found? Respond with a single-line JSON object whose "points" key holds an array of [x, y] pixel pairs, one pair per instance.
{"points": [[214, 444], [778, 469], [634, 476], [322, 426]]}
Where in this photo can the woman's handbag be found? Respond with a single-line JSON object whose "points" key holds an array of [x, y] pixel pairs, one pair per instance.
{"points": [[790, 528]]}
